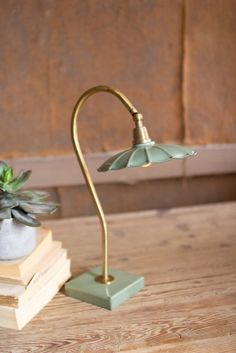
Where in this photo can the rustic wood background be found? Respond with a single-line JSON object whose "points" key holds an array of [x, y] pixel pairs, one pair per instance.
{"points": [[174, 59]]}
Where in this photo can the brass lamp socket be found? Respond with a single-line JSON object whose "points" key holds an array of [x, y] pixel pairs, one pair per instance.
{"points": [[140, 134]]}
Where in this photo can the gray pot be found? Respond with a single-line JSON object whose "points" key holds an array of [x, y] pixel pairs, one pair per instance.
{"points": [[16, 239]]}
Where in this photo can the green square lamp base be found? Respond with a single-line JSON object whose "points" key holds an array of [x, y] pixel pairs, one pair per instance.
{"points": [[107, 296]]}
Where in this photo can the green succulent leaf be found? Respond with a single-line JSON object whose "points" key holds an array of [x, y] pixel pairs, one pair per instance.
{"points": [[21, 205], [5, 213], [39, 207], [32, 195], [3, 167], [7, 175], [25, 218], [7, 200], [17, 182]]}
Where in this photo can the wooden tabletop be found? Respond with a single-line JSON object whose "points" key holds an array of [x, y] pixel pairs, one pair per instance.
{"points": [[188, 305]]}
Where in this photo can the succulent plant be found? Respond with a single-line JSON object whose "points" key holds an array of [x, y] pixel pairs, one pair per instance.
{"points": [[22, 205]]}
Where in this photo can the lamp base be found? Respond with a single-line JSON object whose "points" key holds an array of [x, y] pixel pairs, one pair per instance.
{"points": [[108, 296]]}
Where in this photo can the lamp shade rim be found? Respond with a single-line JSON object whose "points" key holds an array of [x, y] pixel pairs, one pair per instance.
{"points": [[146, 154]]}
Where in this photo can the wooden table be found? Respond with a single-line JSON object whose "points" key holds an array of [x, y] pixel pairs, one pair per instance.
{"points": [[188, 258]]}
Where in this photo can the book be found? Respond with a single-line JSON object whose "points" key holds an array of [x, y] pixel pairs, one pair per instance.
{"points": [[22, 270], [19, 295], [12, 289], [13, 286], [17, 318]]}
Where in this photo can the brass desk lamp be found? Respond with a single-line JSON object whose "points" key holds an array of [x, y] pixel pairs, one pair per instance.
{"points": [[101, 286]]}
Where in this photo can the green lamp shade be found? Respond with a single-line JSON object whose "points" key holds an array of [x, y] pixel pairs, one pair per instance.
{"points": [[142, 155]]}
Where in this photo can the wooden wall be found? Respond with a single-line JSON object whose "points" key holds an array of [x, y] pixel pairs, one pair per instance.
{"points": [[174, 59], [210, 71]]}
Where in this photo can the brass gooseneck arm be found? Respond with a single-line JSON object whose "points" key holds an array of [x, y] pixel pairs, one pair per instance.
{"points": [[104, 278]]}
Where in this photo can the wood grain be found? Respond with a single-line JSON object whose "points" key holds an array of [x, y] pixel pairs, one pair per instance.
{"points": [[209, 87], [188, 305], [52, 51]]}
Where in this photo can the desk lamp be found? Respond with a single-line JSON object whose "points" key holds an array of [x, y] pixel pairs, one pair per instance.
{"points": [[103, 286]]}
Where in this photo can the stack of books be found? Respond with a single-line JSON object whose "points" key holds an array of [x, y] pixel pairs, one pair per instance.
{"points": [[29, 283]]}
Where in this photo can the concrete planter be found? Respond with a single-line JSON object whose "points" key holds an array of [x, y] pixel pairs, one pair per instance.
{"points": [[16, 239]]}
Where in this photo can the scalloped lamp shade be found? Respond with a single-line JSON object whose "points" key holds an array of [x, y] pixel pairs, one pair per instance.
{"points": [[142, 155]]}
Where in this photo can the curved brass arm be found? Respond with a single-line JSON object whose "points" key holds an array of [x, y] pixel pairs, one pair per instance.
{"points": [[104, 278]]}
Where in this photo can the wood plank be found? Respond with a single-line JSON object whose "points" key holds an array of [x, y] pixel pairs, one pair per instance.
{"points": [[188, 305], [223, 344], [209, 91], [52, 171], [24, 79], [52, 51]]}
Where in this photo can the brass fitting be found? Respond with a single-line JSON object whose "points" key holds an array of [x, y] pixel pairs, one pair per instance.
{"points": [[140, 134]]}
